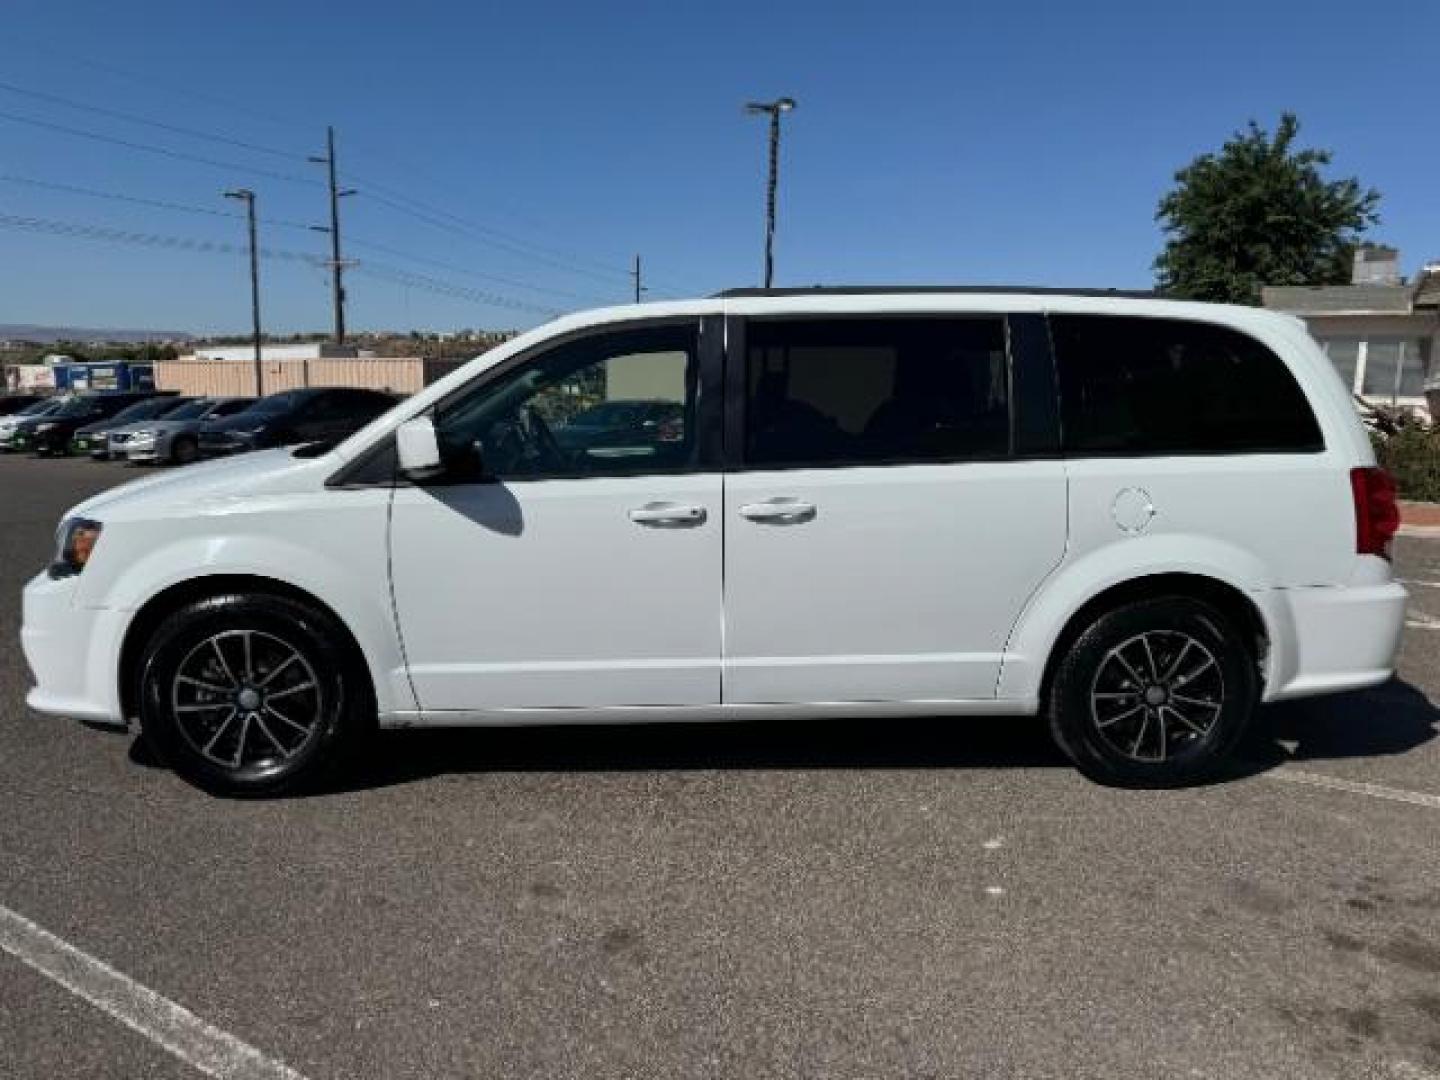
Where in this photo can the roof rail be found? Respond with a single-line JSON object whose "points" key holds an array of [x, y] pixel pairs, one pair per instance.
{"points": [[863, 290]]}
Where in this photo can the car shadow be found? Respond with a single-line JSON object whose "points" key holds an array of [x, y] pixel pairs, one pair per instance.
{"points": [[490, 505], [1385, 721]]}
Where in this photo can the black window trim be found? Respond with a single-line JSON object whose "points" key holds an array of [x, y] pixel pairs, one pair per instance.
{"points": [[357, 474]]}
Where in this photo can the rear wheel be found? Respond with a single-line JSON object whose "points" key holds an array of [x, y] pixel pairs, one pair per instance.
{"points": [[1154, 694], [251, 694], [184, 450]]}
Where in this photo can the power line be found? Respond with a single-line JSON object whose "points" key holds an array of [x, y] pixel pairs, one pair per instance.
{"points": [[116, 114], [179, 155], [450, 224], [156, 204], [445, 288], [500, 234], [157, 240], [487, 234], [382, 271], [567, 261], [150, 80], [457, 269], [301, 226]]}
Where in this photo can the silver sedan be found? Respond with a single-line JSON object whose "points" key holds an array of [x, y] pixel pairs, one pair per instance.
{"points": [[174, 439]]}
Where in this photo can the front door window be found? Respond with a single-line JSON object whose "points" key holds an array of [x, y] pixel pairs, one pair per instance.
{"points": [[612, 405]]}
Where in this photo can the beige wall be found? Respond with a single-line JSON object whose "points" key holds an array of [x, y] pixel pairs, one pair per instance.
{"points": [[645, 377], [229, 378]]}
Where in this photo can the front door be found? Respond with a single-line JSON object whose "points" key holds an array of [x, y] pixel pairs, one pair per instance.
{"points": [[881, 534], [571, 555]]}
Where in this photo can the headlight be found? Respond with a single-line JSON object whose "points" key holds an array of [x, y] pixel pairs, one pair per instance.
{"points": [[41, 428], [144, 433], [75, 542]]}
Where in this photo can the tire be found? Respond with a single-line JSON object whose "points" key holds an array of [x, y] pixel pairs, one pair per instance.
{"points": [[1153, 694], [184, 450], [223, 727]]}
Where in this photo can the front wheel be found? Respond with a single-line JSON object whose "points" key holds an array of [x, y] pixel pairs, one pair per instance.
{"points": [[1153, 694], [184, 450], [251, 694]]}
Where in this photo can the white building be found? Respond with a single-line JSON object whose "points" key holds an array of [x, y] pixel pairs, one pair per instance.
{"points": [[1379, 331], [310, 350]]}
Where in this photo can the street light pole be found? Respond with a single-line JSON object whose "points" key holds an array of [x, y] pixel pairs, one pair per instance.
{"points": [[773, 109], [248, 197]]}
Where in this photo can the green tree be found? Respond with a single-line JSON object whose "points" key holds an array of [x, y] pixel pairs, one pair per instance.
{"points": [[1259, 212]]}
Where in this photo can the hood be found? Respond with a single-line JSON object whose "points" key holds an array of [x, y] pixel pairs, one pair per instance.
{"points": [[264, 472], [97, 426]]}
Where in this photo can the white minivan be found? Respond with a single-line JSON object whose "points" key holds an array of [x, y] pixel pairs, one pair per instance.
{"points": [[1137, 517]]}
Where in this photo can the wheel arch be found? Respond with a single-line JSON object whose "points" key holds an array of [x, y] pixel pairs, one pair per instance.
{"points": [[1228, 578], [1229, 601], [172, 598]]}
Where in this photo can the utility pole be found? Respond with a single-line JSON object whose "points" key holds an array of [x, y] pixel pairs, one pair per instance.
{"points": [[337, 264], [248, 197], [773, 109], [635, 273]]}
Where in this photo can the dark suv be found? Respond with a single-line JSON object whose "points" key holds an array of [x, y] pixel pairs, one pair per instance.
{"points": [[317, 414], [51, 433]]}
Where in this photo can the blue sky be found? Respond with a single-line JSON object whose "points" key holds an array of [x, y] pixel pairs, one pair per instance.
{"points": [[547, 142]]}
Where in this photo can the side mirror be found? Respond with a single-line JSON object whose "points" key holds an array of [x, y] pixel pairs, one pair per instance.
{"points": [[417, 449]]}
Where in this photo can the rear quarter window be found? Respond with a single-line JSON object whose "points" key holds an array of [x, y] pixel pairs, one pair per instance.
{"points": [[1138, 387]]}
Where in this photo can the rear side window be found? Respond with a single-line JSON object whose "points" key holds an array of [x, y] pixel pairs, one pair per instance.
{"points": [[868, 391], [1137, 386]]}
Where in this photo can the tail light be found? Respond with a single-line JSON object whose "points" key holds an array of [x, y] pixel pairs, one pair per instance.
{"points": [[1377, 515]]}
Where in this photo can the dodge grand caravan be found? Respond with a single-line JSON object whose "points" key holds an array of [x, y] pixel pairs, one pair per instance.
{"points": [[1137, 517]]}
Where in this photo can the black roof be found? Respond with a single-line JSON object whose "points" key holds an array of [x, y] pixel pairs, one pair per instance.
{"points": [[871, 290]]}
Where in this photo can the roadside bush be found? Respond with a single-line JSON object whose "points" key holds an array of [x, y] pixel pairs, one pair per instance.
{"points": [[1412, 454]]}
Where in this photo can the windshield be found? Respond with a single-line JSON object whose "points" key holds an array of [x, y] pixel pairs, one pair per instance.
{"points": [[279, 403], [77, 406], [191, 409], [142, 410], [36, 408]]}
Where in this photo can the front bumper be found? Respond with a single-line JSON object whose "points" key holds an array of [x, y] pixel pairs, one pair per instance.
{"points": [[73, 652], [1333, 638], [139, 450]]}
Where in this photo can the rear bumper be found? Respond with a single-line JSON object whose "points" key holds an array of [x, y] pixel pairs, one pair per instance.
{"points": [[1325, 640]]}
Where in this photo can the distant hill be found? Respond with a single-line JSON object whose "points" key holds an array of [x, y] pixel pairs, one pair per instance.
{"points": [[29, 332]]}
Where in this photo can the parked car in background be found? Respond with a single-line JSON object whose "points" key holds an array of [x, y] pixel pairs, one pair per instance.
{"points": [[1135, 518], [9, 424], [51, 433], [175, 437], [10, 404], [624, 426], [94, 439], [316, 414]]}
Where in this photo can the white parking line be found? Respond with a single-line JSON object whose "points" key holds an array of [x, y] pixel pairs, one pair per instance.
{"points": [[212, 1051], [1420, 621], [1354, 787]]}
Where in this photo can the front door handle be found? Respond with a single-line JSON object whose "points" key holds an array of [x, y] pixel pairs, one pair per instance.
{"points": [[781, 511], [667, 513]]}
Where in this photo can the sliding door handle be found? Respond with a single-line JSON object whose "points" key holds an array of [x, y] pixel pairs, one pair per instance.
{"points": [[781, 511]]}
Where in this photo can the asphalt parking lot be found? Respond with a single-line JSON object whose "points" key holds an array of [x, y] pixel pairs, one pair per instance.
{"points": [[927, 899]]}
